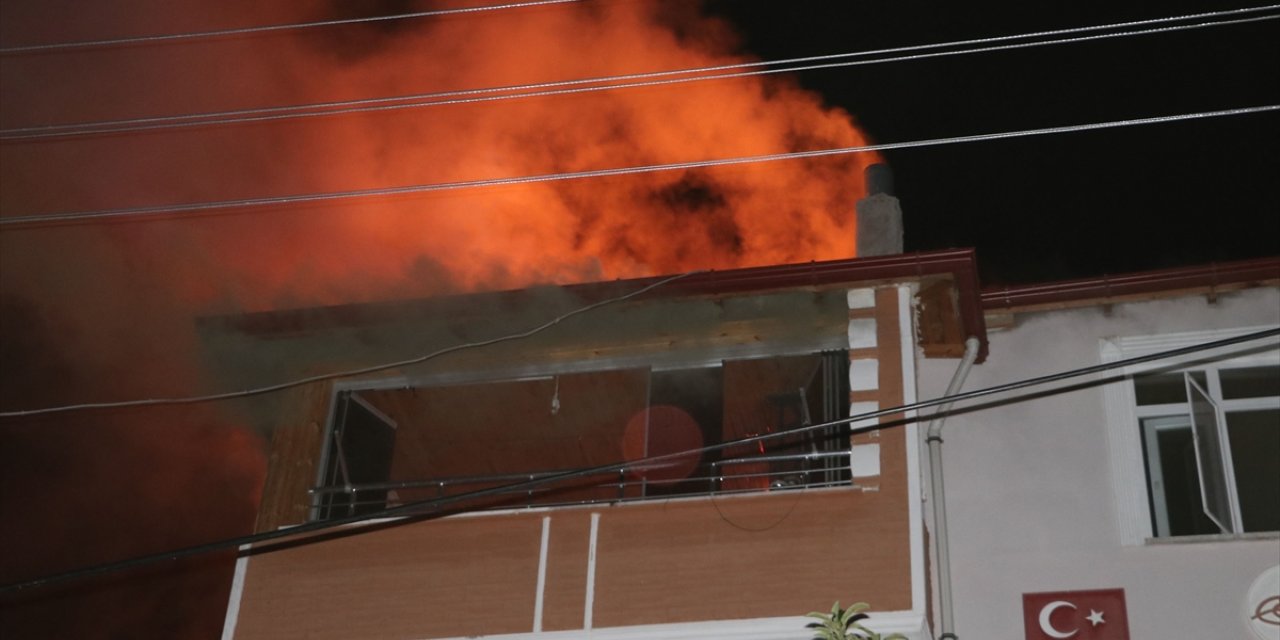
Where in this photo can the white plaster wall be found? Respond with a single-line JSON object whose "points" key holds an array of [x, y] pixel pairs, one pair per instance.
{"points": [[1029, 488]]}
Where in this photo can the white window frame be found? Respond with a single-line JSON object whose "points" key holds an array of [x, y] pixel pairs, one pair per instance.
{"points": [[1124, 432]]}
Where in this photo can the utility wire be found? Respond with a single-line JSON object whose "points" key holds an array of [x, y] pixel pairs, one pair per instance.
{"points": [[350, 372], [153, 212], [59, 46], [414, 510], [604, 83]]}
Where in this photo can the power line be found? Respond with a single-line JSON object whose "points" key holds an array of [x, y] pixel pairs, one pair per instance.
{"points": [[223, 205], [414, 510], [607, 83], [57, 46], [281, 386]]}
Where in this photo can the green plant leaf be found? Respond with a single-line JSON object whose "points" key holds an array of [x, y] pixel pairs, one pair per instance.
{"points": [[845, 624], [852, 613]]}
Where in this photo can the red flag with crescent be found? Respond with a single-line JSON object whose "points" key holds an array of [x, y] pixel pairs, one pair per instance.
{"points": [[1096, 614]]}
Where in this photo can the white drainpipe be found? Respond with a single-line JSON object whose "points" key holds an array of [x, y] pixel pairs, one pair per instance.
{"points": [[934, 438]]}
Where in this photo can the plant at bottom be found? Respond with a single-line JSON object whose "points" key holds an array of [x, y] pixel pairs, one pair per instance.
{"points": [[845, 624]]}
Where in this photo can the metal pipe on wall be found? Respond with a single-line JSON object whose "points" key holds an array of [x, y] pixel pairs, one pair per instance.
{"points": [[934, 439]]}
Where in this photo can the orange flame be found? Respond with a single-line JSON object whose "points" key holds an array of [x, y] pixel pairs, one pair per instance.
{"points": [[113, 302], [599, 228]]}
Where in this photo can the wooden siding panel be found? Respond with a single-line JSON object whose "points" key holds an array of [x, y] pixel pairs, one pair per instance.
{"points": [[778, 554], [566, 587], [941, 328], [295, 452], [762, 555], [445, 578]]}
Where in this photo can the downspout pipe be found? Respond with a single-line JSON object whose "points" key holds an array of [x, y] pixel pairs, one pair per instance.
{"points": [[934, 438]]}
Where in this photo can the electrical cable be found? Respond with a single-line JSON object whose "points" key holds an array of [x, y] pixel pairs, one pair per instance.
{"points": [[413, 510], [350, 372], [57, 46], [604, 83], [223, 205]]}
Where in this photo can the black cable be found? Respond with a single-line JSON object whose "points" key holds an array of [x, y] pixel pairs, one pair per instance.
{"points": [[416, 508]]}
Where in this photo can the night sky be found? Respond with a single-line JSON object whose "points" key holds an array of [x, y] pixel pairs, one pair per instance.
{"points": [[1064, 206], [93, 312]]}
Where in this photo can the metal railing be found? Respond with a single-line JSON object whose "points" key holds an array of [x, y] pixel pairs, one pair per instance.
{"points": [[741, 474]]}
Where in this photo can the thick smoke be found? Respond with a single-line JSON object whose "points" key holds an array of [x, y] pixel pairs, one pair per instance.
{"points": [[106, 311], [499, 237]]}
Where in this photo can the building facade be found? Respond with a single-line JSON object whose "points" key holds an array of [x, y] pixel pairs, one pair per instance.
{"points": [[1095, 484], [536, 460], [556, 456]]}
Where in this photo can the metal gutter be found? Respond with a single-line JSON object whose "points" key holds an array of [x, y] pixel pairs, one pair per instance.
{"points": [[1210, 279]]}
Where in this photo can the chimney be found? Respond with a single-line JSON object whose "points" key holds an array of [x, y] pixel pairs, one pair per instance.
{"points": [[879, 216]]}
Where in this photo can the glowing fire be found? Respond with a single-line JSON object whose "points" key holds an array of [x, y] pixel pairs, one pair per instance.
{"points": [[496, 237], [110, 306]]}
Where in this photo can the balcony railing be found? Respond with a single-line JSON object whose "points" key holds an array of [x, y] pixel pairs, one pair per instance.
{"points": [[741, 474]]}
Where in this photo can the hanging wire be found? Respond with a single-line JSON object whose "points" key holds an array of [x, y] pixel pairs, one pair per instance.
{"points": [[414, 511], [225, 206], [603, 83], [61, 46]]}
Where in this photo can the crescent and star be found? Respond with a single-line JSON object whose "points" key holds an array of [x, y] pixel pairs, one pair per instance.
{"points": [[1094, 618]]}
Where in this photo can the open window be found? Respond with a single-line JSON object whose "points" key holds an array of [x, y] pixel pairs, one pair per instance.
{"points": [[1211, 441], [1213, 462], [361, 443], [419, 442]]}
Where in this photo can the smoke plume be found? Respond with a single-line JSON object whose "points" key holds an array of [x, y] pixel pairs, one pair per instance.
{"points": [[105, 310]]}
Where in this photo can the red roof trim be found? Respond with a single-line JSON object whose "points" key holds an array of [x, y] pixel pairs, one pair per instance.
{"points": [[1244, 272]]}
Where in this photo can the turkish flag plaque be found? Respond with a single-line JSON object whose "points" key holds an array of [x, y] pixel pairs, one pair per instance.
{"points": [[1097, 614]]}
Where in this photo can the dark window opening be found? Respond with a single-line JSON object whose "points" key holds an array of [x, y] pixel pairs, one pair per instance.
{"points": [[1255, 453], [360, 454], [1164, 388]]}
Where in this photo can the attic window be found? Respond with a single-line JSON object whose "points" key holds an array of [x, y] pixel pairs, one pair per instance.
{"points": [[448, 440]]}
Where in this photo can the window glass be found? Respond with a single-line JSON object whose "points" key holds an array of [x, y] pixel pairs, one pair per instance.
{"points": [[1250, 382], [459, 439], [1255, 452], [1215, 471], [1164, 388], [771, 395], [455, 440], [685, 412]]}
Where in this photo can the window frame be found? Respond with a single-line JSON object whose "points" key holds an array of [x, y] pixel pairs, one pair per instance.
{"points": [[1124, 429]]}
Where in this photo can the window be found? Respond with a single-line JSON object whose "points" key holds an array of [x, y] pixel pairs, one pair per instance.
{"points": [[362, 440], [1204, 476], [412, 443], [1208, 437]]}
